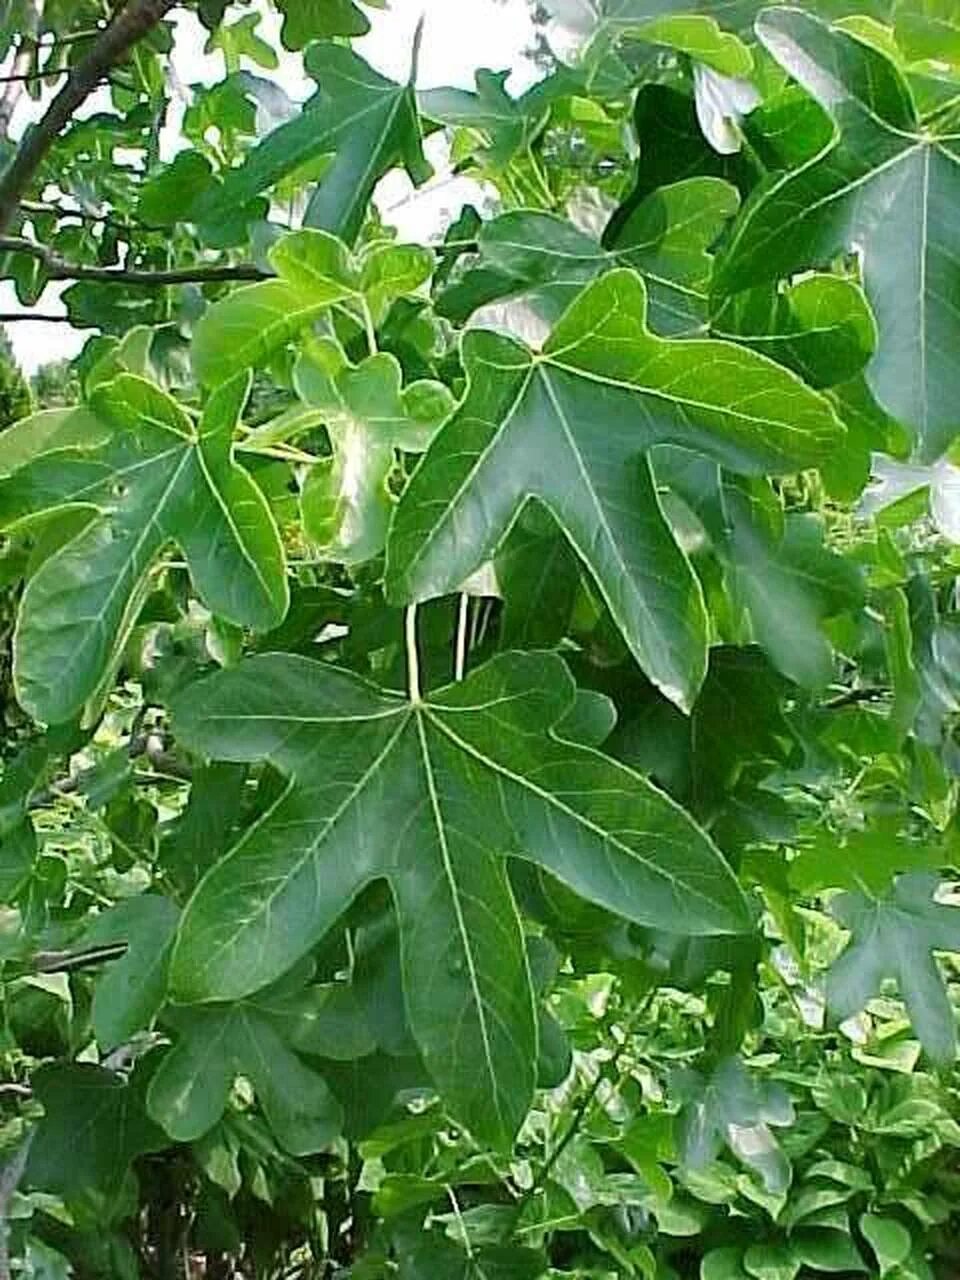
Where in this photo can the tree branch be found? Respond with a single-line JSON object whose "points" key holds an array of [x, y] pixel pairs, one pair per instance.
{"points": [[127, 28], [59, 269], [46, 317]]}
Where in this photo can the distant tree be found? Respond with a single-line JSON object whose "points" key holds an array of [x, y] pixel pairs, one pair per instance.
{"points": [[16, 398], [56, 384]]}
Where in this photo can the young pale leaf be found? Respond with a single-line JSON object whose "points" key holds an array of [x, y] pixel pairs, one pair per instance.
{"points": [[570, 427], [315, 271], [368, 415], [251, 1038], [893, 937], [155, 479], [889, 1239], [886, 186], [700, 37], [429, 796], [366, 123], [543, 261]]}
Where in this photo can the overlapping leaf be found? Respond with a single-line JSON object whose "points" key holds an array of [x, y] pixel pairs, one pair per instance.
{"points": [[428, 795], [731, 1108], [893, 937], [884, 187], [315, 271], [541, 261], [366, 123], [156, 478], [569, 427], [369, 415], [257, 1038]]}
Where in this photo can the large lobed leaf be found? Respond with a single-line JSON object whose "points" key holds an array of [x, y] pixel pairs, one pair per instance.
{"points": [[156, 478], [885, 186], [570, 426], [429, 796]]}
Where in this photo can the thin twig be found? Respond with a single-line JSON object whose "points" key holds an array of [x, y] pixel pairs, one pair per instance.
{"points": [[58, 268]]}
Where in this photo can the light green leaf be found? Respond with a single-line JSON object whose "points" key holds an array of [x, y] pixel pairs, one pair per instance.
{"points": [[888, 1239], [723, 1263], [155, 479], [240, 39], [893, 937], [569, 427], [885, 184], [306, 20], [821, 326], [771, 1262], [700, 37], [345, 502], [315, 271], [49, 429], [365, 122], [428, 795]]}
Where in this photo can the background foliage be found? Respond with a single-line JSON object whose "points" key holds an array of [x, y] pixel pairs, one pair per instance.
{"points": [[479, 762]]}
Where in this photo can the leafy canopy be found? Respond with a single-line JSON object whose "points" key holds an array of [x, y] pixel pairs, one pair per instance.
{"points": [[478, 712]]}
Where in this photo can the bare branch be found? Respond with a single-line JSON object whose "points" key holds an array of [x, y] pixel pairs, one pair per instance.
{"points": [[45, 317], [127, 28], [59, 269]]}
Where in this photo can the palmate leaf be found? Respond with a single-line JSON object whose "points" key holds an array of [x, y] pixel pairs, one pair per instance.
{"points": [[893, 937], [156, 478], [366, 123], [543, 261], [731, 1108], [368, 415], [886, 185], [569, 426], [315, 271], [259, 1039], [428, 795]]}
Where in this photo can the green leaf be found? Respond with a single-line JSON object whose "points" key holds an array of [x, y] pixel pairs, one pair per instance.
{"points": [[249, 325], [306, 20], [569, 427], [542, 262], [724, 1263], [771, 1262], [427, 795], [255, 1038], [368, 124], [240, 39], [888, 1239], [345, 502], [730, 1108], [782, 573], [886, 184], [131, 989], [50, 429], [699, 37], [822, 326], [316, 271], [156, 478], [94, 1125], [827, 1249], [893, 937], [928, 29]]}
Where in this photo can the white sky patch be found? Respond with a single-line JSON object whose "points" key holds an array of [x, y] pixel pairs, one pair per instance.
{"points": [[459, 36]]}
